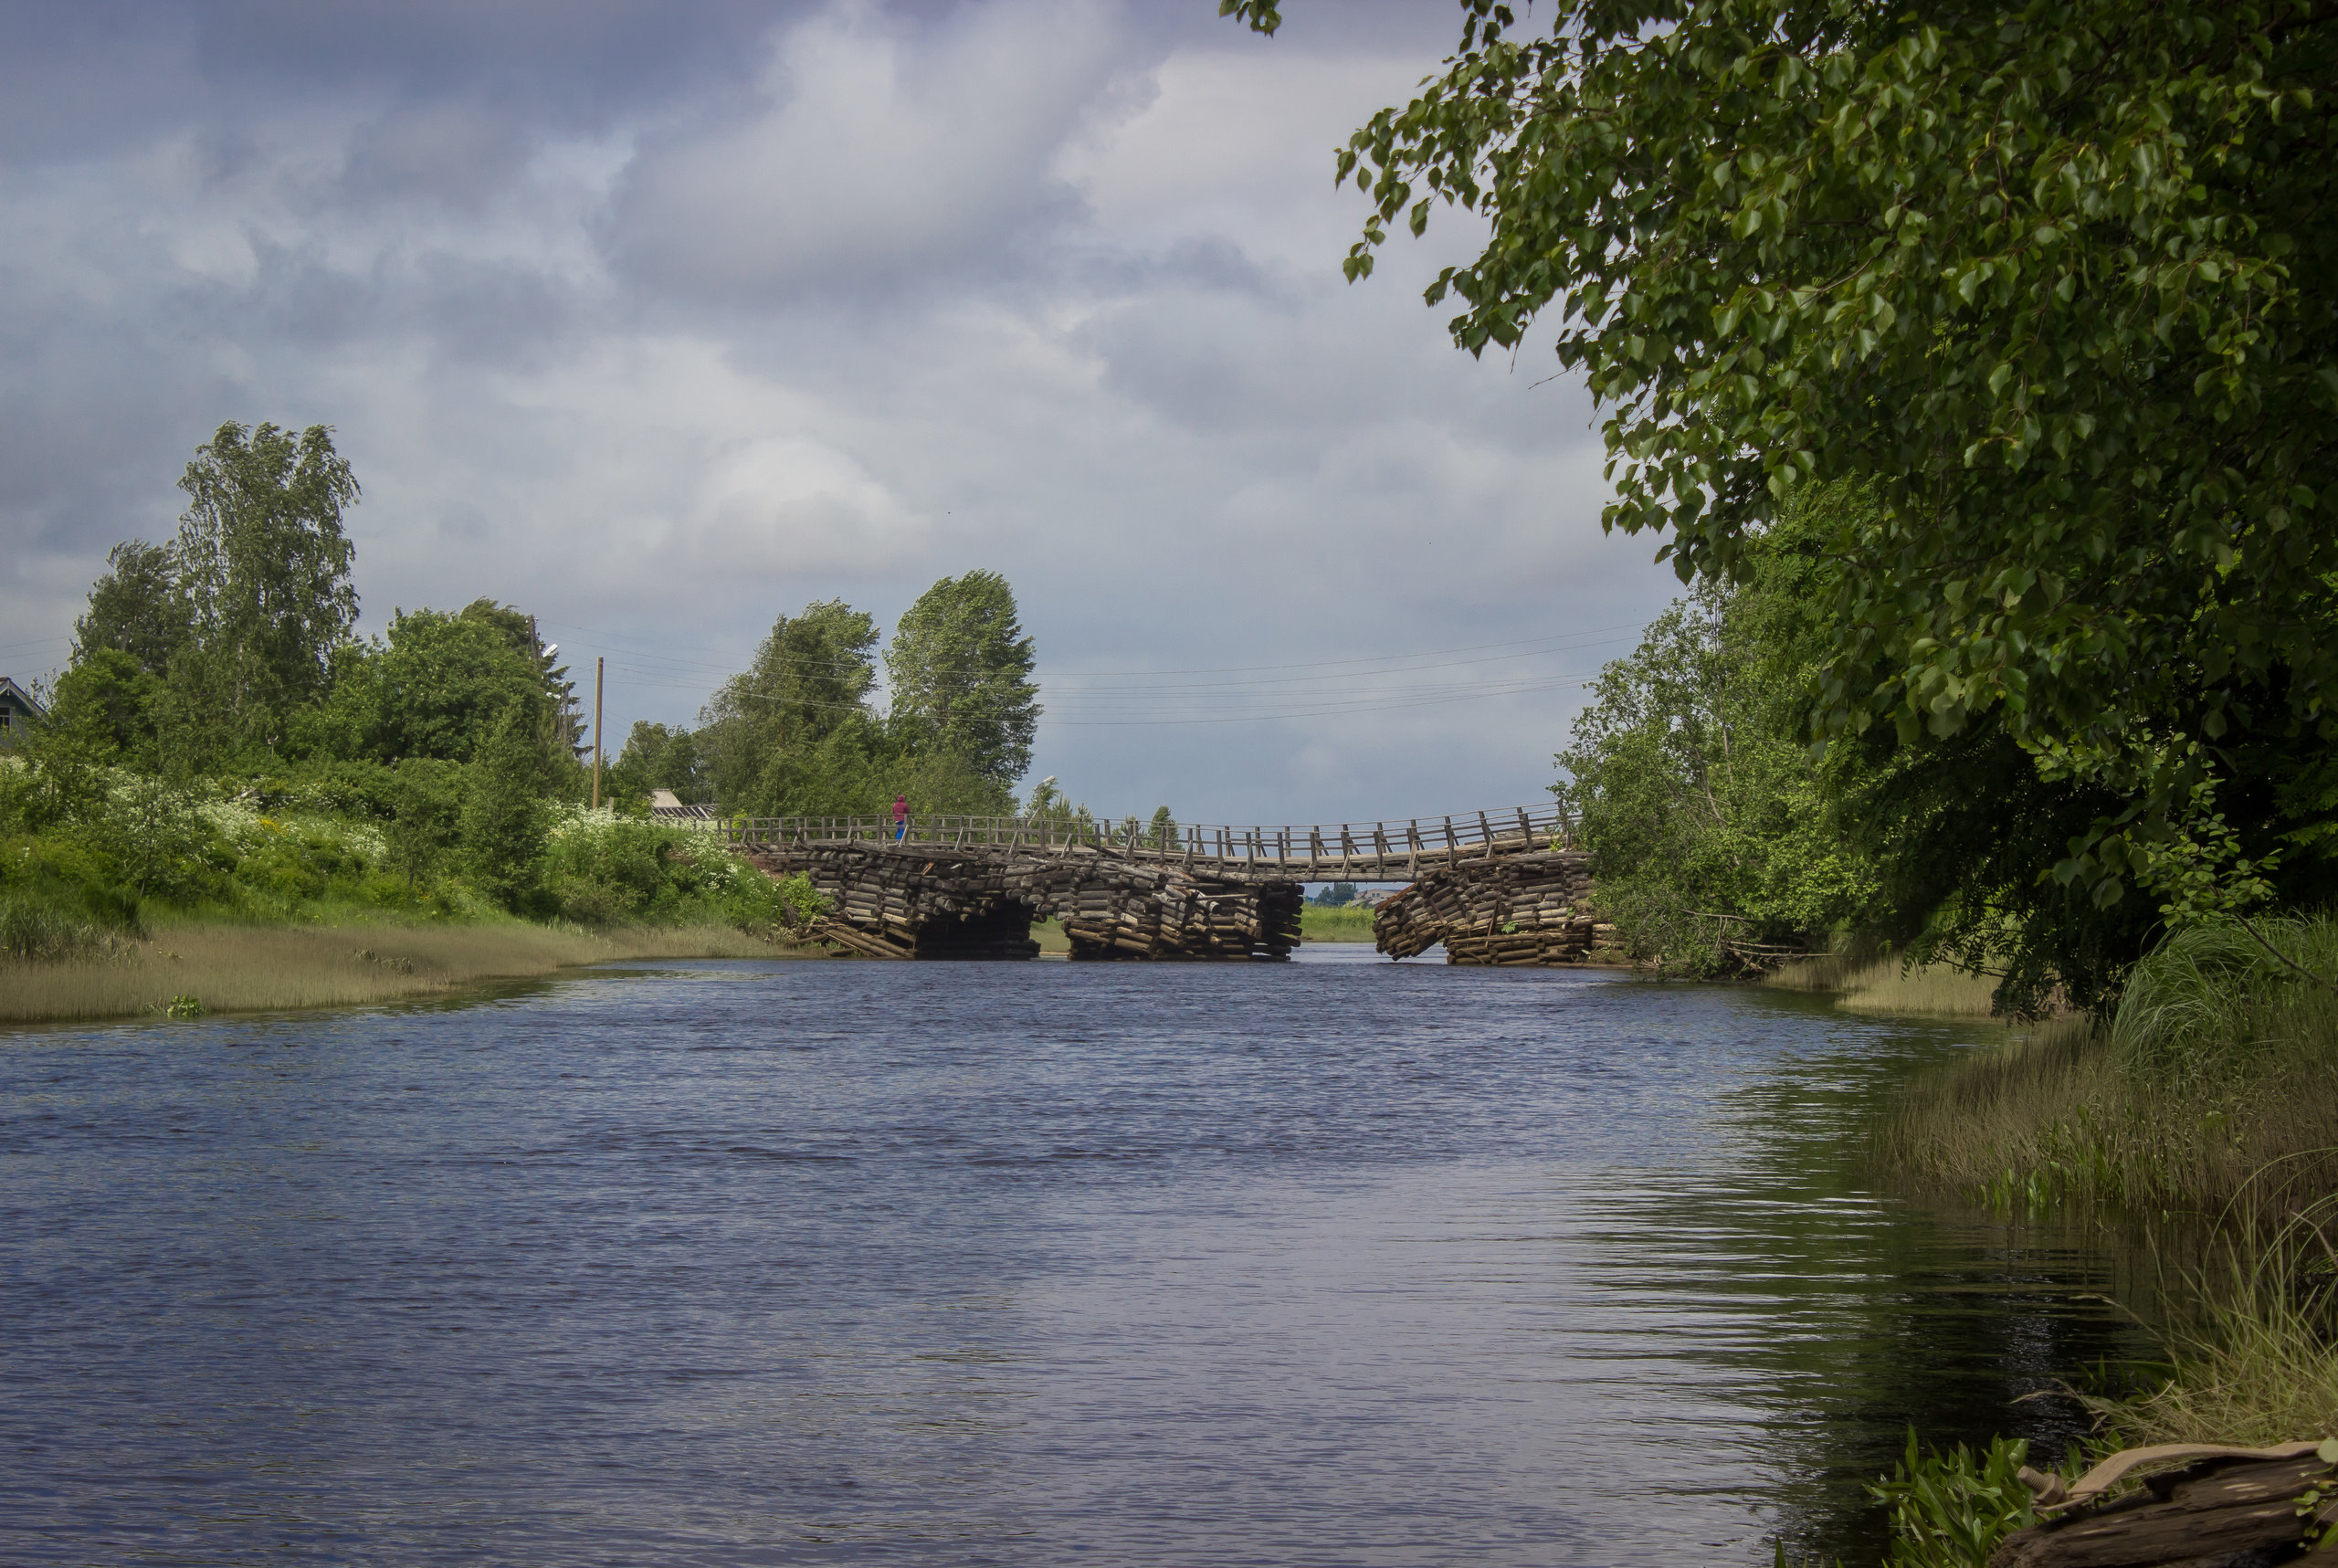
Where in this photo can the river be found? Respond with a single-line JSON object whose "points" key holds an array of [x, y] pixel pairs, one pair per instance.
{"points": [[1331, 1262]]}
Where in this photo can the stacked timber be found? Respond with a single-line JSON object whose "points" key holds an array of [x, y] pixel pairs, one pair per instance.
{"points": [[912, 900], [1511, 910]]}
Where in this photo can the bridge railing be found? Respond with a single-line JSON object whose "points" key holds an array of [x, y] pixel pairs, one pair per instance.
{"points": [[1320, 845]]}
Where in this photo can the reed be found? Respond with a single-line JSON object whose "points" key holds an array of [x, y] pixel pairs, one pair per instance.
{"points": [[217, 967], [1820, 971], [2259, 1364], [1890, 985], [2215, 1084], [1865, 983]]}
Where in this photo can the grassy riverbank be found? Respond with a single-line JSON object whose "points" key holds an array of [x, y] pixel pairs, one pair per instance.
{"points": [[218, 967], [2203, 1110], [2211, 1091]]}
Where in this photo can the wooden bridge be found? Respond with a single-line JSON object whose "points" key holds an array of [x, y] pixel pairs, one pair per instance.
{"points": [[1341, 852], [971, 887]]}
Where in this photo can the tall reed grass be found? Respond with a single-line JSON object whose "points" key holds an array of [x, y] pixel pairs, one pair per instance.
{"points": [[1869, 984], [1820, 971], [2215, 1083], [1940, 990], [239, 968], [2259, 1364]]}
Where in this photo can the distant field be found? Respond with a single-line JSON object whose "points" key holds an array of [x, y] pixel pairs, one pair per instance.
{"points": [[1344, 923]]}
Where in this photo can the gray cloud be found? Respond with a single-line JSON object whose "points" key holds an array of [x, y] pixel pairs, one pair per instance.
{"points": [[871, 153], [660, 323]]}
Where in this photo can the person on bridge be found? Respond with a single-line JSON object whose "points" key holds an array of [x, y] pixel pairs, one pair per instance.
{"points": [[900, 817]]}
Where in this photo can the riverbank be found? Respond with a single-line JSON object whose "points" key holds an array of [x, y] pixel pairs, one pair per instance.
{"points": [[2202, 1115], [2212, 1091], [184, 969]]}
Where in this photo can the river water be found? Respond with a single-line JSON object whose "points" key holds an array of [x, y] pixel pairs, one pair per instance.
{"points": [[1331, 1262]]}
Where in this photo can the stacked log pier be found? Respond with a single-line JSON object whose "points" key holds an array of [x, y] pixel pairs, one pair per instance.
{"points": [[914, 900], [1511, 910]]}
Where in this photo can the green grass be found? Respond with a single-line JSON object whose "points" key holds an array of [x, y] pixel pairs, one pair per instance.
{"points": [[1822, 971], [1344, 922], [1050, 935], [1938, 990]]}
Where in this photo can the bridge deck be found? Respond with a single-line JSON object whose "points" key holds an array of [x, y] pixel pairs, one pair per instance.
{"points": [[1345, 852]]}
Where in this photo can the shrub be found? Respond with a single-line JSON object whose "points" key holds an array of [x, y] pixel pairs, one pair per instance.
{"points": [[505, 822], [770, 907]]}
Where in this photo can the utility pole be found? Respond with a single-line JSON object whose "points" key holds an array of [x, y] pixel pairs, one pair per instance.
{"points": [[599, 665]]}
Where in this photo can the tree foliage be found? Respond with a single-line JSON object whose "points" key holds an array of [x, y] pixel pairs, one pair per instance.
{"points": [[1708, 822], [138, 607], [505, 822], [961, 673], [264, 569], [790, 733], [798, 732], [2053, 281], [446, 682], [658, 757]]}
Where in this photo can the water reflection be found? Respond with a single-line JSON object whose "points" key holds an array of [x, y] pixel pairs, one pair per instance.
{"points": [[1331, 1262]]}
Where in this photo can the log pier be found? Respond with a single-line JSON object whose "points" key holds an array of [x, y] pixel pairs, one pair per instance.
{"points": [[1526, 909]]}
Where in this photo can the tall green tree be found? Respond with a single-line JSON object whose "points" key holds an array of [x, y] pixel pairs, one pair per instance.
{"points": [[960, 667], [1708, 822], [139, 607], [2056, 282], [428, 806], [112, 706], [658, 757], [562, 717], [446, 683], [802, 698], [265, 566]]}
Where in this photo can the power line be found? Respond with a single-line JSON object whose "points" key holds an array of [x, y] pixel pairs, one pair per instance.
{"points": [[1444, 692], [1558, 643]]}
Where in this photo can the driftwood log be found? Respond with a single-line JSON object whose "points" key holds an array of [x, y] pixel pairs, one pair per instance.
{"points": [[2228, 1509]]}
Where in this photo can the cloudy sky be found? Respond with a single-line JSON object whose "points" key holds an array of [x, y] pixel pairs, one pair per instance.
{"points": [[660, 321]]}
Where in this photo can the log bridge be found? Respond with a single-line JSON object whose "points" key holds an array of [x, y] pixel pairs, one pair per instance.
{"points": [[971, 887]]}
